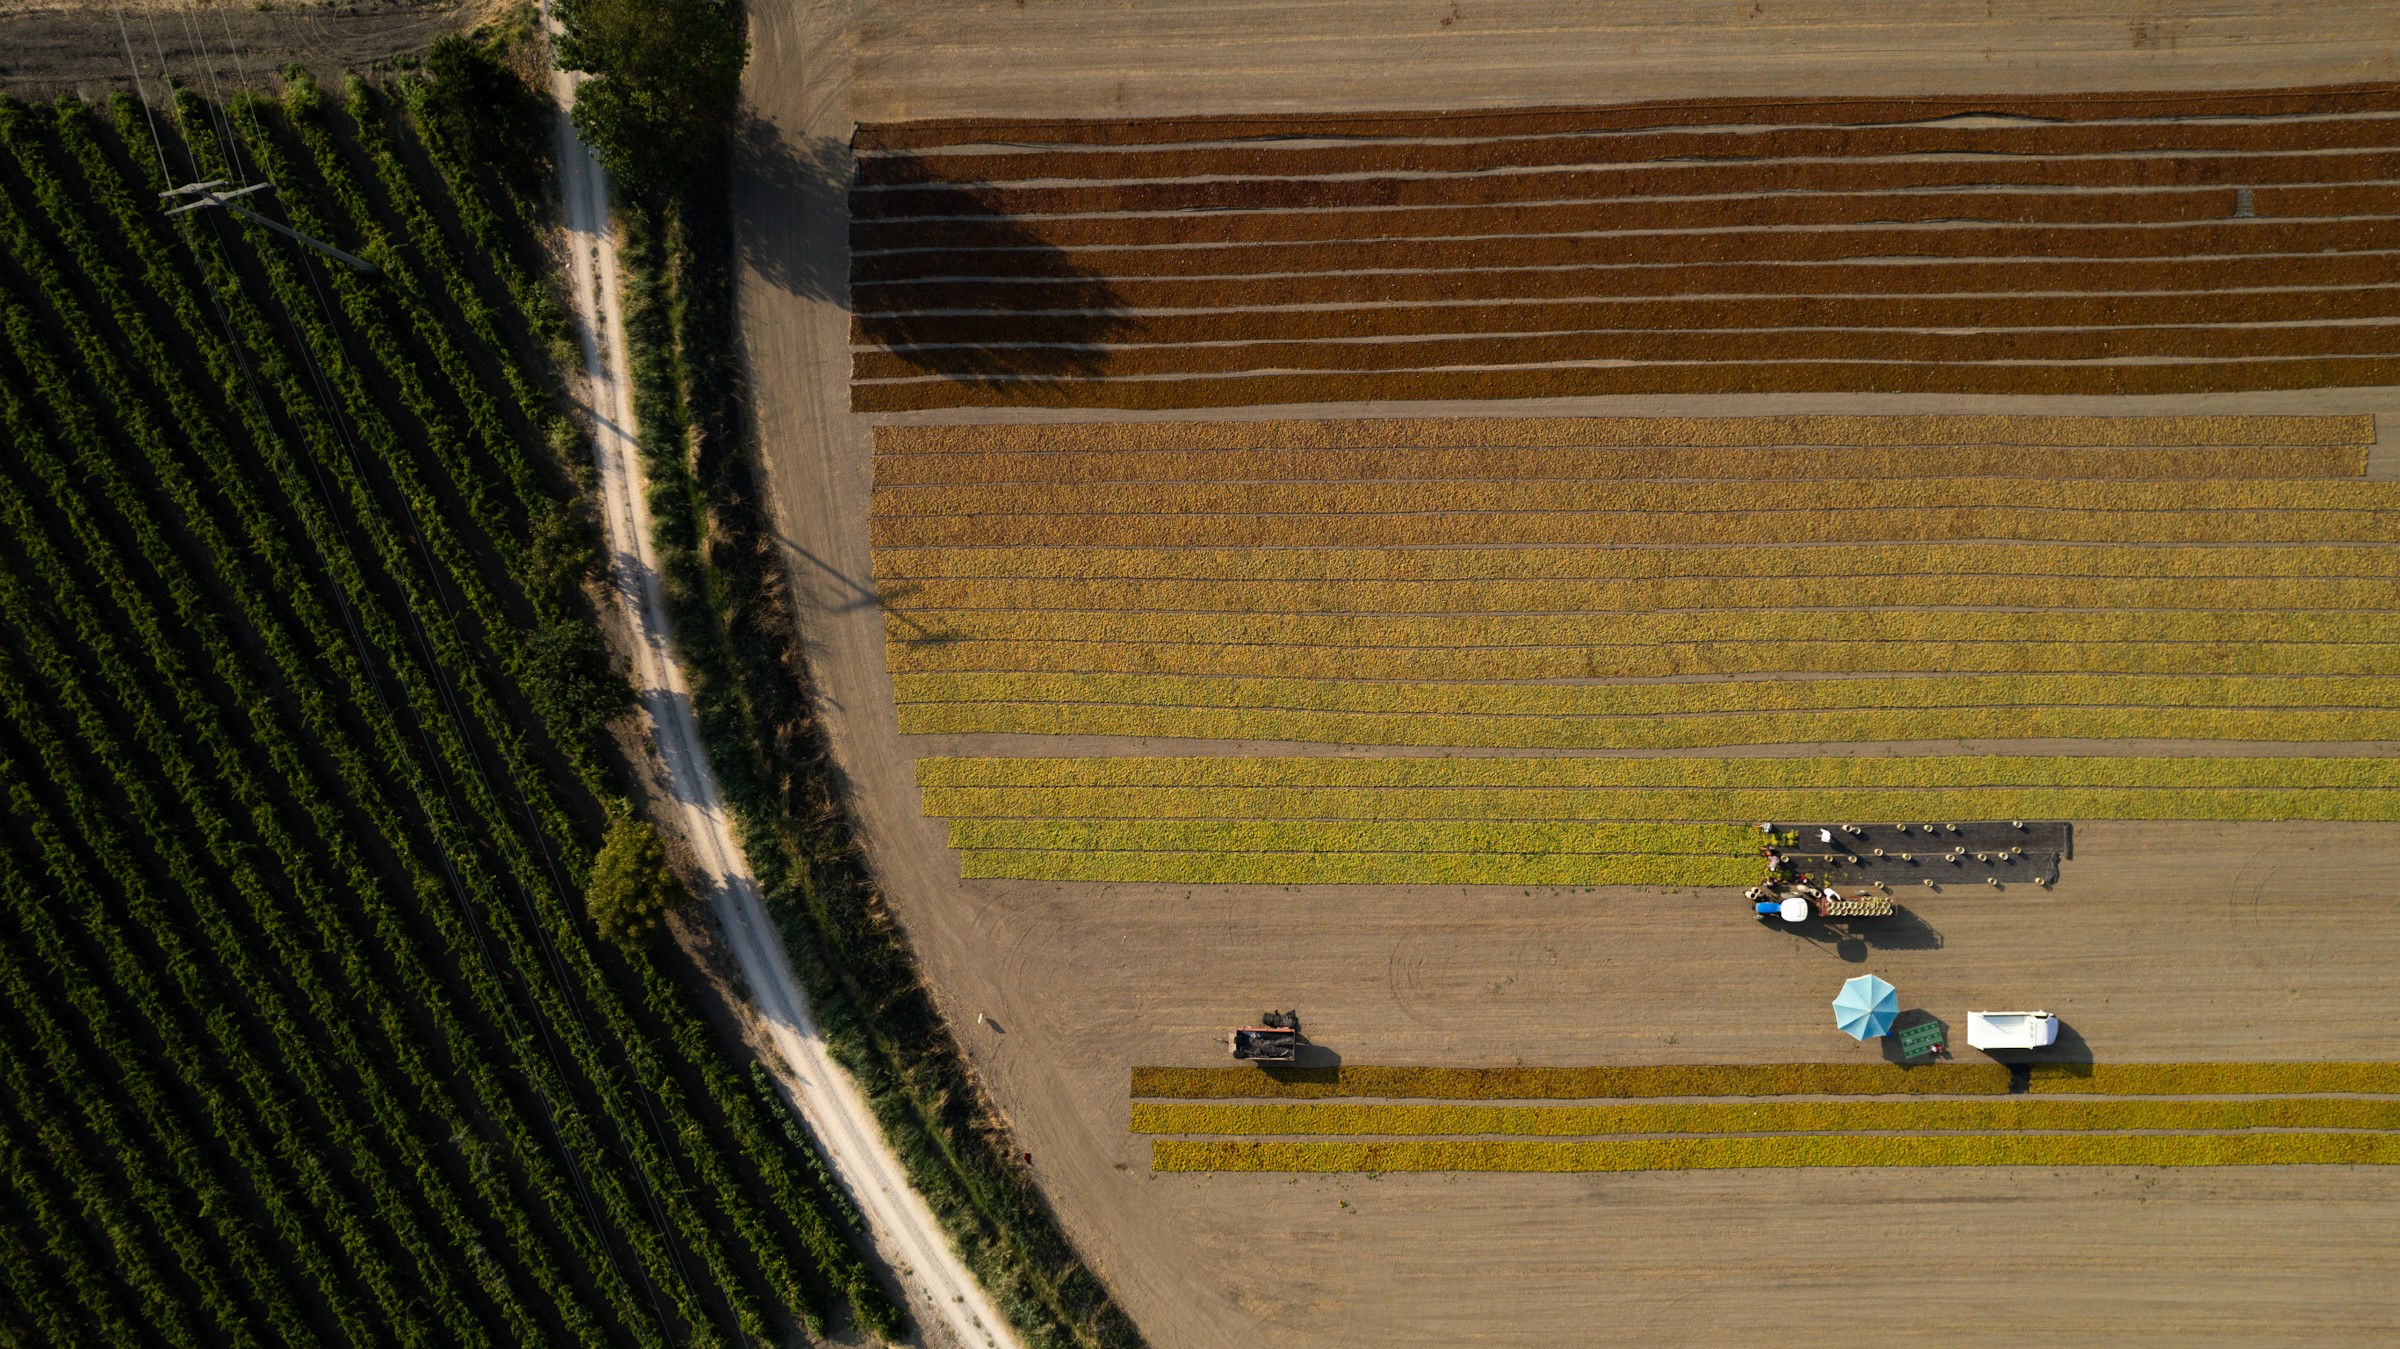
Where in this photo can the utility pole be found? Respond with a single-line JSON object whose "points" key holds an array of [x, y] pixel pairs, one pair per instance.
{"points": [[206, 194]]}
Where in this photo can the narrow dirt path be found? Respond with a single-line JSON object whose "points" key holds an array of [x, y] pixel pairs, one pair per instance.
{"points": [[943, 1298]]}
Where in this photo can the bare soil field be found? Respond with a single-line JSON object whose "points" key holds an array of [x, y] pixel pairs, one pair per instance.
{"points": [[49, 47], [2163, 941]]}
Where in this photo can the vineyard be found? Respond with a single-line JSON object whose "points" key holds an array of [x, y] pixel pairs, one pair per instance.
{"points": [[2076, 1115], [308, 1036], [2095, 243], [1643, 585]]}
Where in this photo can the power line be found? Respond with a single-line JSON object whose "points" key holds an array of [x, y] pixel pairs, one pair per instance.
{"points": [[205, 194]]}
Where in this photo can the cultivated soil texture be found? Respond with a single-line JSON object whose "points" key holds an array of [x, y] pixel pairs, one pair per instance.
{"points": [[2233, 941], [49, 47]]}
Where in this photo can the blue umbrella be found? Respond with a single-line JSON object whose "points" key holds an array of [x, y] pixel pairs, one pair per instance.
{"points": [[1866, 1007]]}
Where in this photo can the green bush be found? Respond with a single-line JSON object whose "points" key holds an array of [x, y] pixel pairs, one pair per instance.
{"points": [[631, 888]]}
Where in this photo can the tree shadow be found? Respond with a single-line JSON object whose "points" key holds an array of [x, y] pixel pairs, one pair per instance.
{"points": [[1317, 1064], [962, 290], [795, 185], [1915, 1016]]}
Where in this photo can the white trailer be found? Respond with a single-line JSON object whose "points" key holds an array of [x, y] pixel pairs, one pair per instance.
{"points": [[2011, 1030]]}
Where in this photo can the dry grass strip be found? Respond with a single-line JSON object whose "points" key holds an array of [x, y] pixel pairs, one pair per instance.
{"points": [[2084, 344], [2367, 805], [1124, 299], [1493, 496], [1650, 732], [1652, 716], [1779, 1079], [1438, 524], [1834, 431], [1633, 596], [1444, 647], [1713, 697], [1719, 242], [878, 137], [1378, 836], [2040, 1150], [1727, 145], [1764, 1117], [2020, 655], [2022, 205], [1312, 868], [1998, 309], [902, 570], [1525, 463], [1934, 788], [1931, 771], [1607, 633], [1726, 377], [1844, 174], [2256, 1079]]}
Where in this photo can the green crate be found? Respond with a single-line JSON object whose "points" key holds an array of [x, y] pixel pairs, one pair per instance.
{"points": [[1921, 1039]]}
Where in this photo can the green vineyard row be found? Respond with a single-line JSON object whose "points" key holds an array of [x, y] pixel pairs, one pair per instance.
{"points": [[354, 852]]}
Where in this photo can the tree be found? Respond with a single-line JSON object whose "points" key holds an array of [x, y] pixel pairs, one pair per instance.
{"points": [[631, 887], [488, 108], [667, 75]]}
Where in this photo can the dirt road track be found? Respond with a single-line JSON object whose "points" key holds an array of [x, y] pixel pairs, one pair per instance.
{"points": [[1083, 984], [970, 58], [942, 1296]]}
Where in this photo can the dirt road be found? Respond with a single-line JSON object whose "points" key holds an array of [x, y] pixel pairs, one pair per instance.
{"points": [[2165, 945], [943, 1297]]}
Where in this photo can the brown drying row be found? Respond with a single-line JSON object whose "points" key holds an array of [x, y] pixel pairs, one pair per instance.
{"points": [[1620, 528], [1640, 180], [1815, 311], [1730, 377], [2092, 344], [1821, 111], [1528, 465], [1840, 431], [1966, 240], [1103, 303], [1468, 156], [2024, 206]]}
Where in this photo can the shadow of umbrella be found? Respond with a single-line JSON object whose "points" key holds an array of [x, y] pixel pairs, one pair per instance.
{"points": [[1910, 1020]]}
